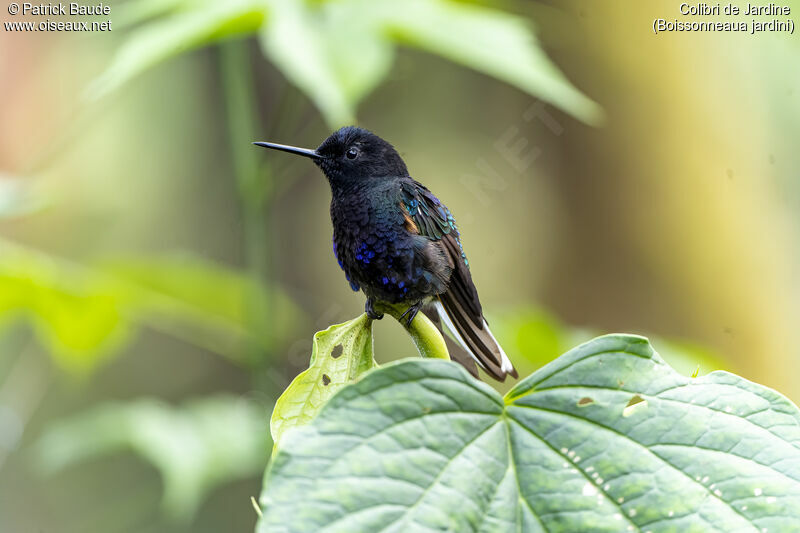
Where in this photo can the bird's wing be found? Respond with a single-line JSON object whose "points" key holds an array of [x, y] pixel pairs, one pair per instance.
{"points": [[461, 309], [433, 220]]}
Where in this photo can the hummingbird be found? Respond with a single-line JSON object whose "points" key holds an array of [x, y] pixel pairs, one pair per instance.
{"points": [[399, 244]]}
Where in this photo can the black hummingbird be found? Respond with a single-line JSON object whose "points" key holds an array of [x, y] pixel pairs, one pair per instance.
{"points": [[399, 244]]}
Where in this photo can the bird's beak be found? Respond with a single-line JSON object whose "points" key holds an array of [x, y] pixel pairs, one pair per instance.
{"points": [[305, 152]]}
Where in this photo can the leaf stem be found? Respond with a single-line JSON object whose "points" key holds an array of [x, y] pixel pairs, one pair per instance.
{"points": [[424, 333]]}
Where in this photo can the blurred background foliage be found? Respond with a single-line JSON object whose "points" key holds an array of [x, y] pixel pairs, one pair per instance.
{"points": [[161, 279]]}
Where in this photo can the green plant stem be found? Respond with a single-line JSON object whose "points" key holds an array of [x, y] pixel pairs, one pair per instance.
{"points": [[424, 333], [251, 179]]}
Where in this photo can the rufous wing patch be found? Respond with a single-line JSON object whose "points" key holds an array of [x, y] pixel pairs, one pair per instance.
{"points": [[409, 222]]}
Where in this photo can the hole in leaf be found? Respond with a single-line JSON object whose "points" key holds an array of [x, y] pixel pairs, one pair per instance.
{"points": [[636, 402], [325, 379], [337, 351], [583, 402]]}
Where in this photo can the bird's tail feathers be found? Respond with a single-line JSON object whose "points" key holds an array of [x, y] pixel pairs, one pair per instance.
{"points": [[476, 340]]}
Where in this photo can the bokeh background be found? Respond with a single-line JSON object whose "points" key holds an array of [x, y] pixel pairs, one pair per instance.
{"points": [[161, 279]]}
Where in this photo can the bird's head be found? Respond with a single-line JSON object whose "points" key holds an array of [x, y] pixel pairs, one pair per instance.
{"points": [[350, 156]]}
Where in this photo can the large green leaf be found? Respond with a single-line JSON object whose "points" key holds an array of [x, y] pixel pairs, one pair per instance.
{"points": [[195, 447], [341, 354], [605, 438]]}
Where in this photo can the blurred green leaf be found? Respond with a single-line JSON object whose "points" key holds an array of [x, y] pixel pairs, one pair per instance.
{"points": [[537, 337], [78, 319], [606, 438], [202, 287], [83, 314], [340, 355], [196, 447], [336, 52], [532, 333], [137, 11], [201, 23], [197, 300], [182, 285], [490, 41]]}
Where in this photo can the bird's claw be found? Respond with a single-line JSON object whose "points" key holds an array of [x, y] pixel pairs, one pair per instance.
{"points": [[410, 313], [372, 314]]}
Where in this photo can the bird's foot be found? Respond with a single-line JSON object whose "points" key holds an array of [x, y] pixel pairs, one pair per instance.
{"points": [[369, 307], [410, 313]]}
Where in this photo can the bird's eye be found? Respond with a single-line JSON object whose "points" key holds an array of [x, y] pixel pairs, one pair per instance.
{"points": [[352, 153]]}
